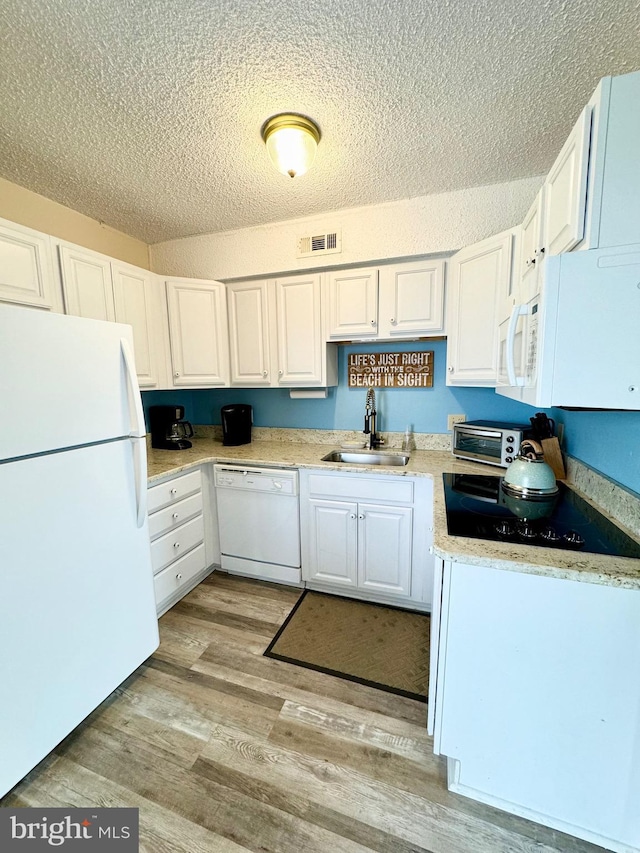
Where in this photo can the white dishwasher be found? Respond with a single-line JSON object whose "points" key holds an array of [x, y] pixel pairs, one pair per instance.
{"points": [[259, 520]]}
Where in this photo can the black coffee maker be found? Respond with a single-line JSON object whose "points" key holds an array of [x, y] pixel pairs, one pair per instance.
{"points": [[236, 423], [169, 430]]}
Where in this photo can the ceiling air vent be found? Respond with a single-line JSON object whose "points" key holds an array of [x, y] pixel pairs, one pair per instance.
{"points": [[319, 244]]}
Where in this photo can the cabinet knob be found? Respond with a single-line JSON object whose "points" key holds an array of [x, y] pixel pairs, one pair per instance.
{"points": [[176, 544], [373, 322], [393, 322], [539, 251], [353, 515], [280, 372], [175, 515], [450, 368], [264, 373], [361, 515], [179, 576], [176, 374], [174, 491]]}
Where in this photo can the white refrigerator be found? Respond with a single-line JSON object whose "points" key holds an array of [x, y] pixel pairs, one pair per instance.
{"points": [[77, 610]]}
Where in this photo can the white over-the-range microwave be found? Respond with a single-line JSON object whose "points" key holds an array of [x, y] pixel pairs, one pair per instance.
{"points": [[489, 441], [576, 343]]}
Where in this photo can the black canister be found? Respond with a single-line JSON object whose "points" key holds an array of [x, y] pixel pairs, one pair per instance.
{"points": [[236, 419]]}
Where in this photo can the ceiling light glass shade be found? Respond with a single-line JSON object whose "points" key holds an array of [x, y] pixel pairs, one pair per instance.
{"points": [[291, 141]]}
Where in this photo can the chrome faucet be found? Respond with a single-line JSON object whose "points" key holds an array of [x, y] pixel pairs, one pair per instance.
{"points": [[370, 415]]}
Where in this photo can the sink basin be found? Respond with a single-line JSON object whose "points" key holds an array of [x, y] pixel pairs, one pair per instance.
{"points": [[367, 457]]}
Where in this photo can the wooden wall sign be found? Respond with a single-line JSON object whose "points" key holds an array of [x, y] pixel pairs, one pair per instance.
{"points": [[391, 369]]}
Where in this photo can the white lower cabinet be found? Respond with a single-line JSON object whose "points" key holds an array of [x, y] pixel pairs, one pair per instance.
{"points": [[177, 532], [367, 536], [534, 698]]}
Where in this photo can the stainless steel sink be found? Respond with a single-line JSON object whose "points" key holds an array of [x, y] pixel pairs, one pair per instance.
{"points": [[367, 457]]}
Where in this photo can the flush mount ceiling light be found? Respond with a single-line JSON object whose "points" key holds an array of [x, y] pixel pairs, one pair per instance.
{"points": [[291, 141]]}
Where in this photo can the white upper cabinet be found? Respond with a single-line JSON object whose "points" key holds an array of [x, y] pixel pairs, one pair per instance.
{"points": [[531, 251], [411, 299], [136, 295], [276, 332], [198, 333], [87, 284], [301, 343], [26, 267], [249, 333], [565, 191], [353, 304], [395, 301], [99, 288], [479, 277], [613, 196]]}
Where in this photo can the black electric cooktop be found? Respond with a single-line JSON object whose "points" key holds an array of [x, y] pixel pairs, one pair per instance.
{"points": [[478, 508]]}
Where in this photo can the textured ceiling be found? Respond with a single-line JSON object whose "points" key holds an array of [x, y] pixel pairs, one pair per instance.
{"points": [[146, 114]]}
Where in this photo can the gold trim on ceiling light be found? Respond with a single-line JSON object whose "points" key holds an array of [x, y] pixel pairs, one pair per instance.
{"points": [[291, 141]]}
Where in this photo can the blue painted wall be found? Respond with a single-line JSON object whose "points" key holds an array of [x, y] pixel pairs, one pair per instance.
{"points": [[603, 440], [606, 441]]}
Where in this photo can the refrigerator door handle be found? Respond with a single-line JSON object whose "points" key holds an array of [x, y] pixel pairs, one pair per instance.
{"points": [[518, 311], [138, 429], [140, 470], [137, 433]]}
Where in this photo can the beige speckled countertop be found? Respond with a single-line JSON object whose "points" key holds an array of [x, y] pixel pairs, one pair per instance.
{"points": [[590, 568]]}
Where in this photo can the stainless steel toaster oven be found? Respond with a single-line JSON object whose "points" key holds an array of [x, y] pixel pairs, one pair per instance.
{"points": [[488, 441]]}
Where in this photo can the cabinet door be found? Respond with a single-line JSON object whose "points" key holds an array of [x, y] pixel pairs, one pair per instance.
{"points": [[86, 284], [565, 190], [198, 332], [26, 273], [479, 279], [384, 549], [411, 299], [299, 325], [135, 304], [531, 251], [353, 304], [249, 333], [333, 542]]}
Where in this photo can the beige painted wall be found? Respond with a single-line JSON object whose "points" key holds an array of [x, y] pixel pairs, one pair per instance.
{"points": [[425, 225], [35, 211]]}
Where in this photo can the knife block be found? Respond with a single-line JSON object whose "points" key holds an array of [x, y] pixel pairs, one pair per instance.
{"points": [[553, 456]]}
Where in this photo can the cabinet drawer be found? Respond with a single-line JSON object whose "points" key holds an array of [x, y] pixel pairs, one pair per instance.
{"points": [[179, 574], [177, 542], [173, 516], [165, 494], [362, 488]]}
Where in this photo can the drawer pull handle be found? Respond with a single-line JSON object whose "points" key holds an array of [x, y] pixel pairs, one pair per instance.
{"points": [[178, 577], [176, 544]]}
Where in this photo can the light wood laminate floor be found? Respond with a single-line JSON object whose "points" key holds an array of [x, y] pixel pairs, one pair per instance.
{"points": [[225, 750]]}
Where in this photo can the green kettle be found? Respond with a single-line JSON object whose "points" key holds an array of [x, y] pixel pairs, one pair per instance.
{"points": [[529, 477]]}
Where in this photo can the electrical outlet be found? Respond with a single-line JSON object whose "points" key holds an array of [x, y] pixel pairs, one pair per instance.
{"points": [[455, 419]]}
